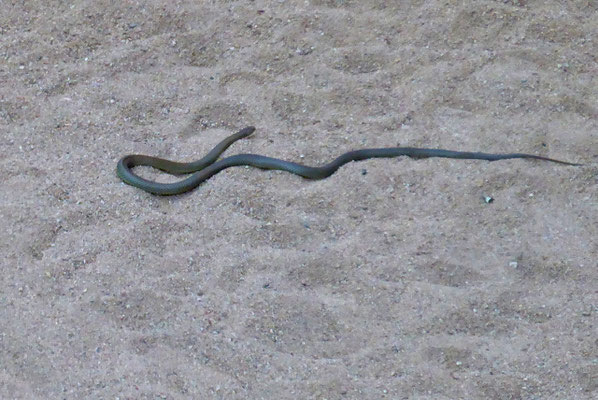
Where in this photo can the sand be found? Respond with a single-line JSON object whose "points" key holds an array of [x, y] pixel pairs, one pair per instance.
{"points": [[391, 279]]}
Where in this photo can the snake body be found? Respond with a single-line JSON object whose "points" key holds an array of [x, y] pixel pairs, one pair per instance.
{"points": [[206, 167]]}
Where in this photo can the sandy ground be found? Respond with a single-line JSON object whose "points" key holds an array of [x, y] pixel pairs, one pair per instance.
{"points": [[390, 279]]}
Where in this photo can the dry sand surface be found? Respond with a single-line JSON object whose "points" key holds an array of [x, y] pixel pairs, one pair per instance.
{"points": [[391, 279]]}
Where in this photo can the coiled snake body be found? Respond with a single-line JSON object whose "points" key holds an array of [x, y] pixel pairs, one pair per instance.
{"points": [[206, 167]]}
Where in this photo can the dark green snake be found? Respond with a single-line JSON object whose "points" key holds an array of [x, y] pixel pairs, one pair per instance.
{"points": [[206, 167]]}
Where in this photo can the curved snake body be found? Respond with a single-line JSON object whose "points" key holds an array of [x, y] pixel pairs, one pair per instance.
{"points": [[206, 167]]}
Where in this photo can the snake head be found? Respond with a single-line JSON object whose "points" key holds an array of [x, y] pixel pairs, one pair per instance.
{"points": [[246, 131]]}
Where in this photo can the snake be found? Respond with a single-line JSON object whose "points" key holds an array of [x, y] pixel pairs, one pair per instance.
{"points": [[206, 167]]}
